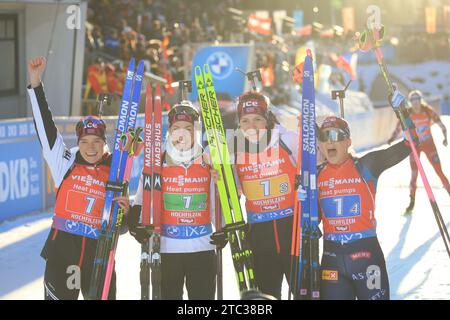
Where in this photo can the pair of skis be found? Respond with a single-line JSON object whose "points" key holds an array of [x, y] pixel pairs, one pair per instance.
{"points": [[371, 39], [125, 146], [152, 196], [235, 226], [305, 269]]}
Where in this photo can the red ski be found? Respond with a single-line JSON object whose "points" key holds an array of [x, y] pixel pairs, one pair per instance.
{"points": [[151, 198]]}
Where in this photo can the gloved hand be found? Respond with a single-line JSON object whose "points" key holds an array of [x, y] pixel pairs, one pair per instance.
{"points": [[396, 99], [139, 232], [445, 143], [219, 239]]}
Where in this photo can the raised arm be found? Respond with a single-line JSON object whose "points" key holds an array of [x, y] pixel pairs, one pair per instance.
{"points": [[58, 157], [381, 160]]}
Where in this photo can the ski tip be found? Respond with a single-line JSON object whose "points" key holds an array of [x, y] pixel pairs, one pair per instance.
{"points": [[158, 91], [198, 71], [148, 87], [141, 65], [206, 68]]}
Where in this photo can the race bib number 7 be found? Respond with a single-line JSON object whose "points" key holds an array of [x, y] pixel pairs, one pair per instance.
{"points": [[84, 203], [185, 202]]}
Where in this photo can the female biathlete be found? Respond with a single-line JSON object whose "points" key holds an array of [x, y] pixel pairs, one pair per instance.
{"points": [[80, 175], [423, 117], [353, 264], [187, 256], [265, 167]]}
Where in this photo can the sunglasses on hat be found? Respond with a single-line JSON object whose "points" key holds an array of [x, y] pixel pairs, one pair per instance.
{"points": [[333, 135]]}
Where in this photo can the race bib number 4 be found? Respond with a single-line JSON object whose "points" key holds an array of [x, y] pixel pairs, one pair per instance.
{"points": [[267, 188]]}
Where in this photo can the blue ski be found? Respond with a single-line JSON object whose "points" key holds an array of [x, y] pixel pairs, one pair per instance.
{"points": [[309, 221], [110, 223]]}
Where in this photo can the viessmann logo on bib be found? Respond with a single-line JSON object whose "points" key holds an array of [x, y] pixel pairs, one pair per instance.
{"points": [[221, 64]]}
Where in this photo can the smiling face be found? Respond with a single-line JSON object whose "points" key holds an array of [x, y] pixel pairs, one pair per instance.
{"points": [[181, 134], [336, 152], [91, 148], [253, 126]]}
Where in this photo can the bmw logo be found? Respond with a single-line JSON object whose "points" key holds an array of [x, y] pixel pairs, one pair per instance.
{"points": [[72, 225], [221, 64], [173, 231]]}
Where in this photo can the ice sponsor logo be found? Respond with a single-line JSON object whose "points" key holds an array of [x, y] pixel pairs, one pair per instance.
{"points": [[91, 125], [221, 64], [250, 106]]}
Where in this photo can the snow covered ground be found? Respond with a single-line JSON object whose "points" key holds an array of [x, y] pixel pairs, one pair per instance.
{"points": [[417, 262]]}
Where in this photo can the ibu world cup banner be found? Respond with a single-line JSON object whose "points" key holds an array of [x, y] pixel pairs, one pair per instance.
{"points": [[223, 61]]}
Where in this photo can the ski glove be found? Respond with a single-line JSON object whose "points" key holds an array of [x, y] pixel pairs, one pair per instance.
{"points": [[139, 232], [219, 239], [396, 99]]}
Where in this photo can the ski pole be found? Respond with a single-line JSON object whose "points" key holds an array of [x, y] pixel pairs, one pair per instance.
{"points": [[218, 225]]}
